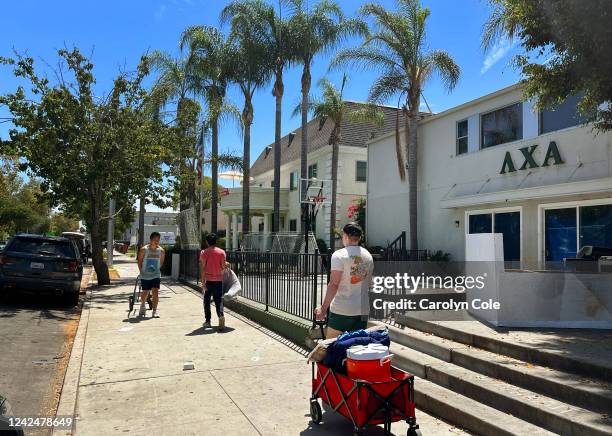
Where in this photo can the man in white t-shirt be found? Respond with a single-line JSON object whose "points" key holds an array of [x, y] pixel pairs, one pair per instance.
{"points": [[347, 291]]}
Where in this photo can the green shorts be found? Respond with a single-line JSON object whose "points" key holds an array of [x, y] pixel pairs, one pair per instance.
{"points": [[347, 323]]}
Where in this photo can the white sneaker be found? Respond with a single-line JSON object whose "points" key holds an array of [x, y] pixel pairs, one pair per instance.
{"points": [[143, 310], [155, 314]]}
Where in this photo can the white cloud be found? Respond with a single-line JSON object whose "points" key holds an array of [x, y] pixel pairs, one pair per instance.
{"points": [[498, 51]]}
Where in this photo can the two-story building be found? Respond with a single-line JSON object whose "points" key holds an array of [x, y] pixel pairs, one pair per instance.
{"points": [[352, 177], [495, 164]]}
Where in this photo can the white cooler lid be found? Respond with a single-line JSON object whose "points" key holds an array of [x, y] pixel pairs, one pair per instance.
{"points": [[367, 352]]}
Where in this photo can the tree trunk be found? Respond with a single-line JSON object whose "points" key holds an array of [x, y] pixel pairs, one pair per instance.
{"points": [[332, 215], [412, 122], [97, 251], [247, 117], [306, 81], [278, 93], [214, 195], [141, 221]]}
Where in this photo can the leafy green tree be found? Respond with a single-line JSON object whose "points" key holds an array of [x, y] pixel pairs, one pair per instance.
{"points": [[398, 49], [314, 31], [274, 33], [575, 40], [211, 59], [251, 70], [86, 148], [61, 222], [331, 106]]}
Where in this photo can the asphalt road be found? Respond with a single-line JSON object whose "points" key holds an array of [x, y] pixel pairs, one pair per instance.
{"points": [[36, 335]]}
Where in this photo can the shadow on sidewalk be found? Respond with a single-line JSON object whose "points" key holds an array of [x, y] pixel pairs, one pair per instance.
{"points": [[207, 331]]}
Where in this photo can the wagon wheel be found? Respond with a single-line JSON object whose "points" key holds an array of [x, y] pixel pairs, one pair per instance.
{"points": [[316, 414], [131, 302], [413, 432], [150, 302]]}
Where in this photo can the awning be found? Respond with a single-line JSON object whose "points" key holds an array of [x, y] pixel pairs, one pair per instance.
{"points": [[596, 186]]}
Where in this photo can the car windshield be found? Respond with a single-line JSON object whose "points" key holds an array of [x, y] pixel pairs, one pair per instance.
{"points": [[41, 246]]}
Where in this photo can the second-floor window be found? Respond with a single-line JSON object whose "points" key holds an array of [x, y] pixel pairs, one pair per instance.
{"points": [[312, 171], [293, 180], [502, 125], [361, 171], [563, 116], [462, 137]]}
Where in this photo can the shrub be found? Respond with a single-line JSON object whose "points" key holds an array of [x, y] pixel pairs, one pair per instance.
{"points": [[322, 245]]}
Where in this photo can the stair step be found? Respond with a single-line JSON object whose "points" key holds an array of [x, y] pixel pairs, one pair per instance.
{"points": [[469, 414], [524, 352], [537, 409], [592, 394]]}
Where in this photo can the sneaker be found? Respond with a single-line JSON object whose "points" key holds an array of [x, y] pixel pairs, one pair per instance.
{"points": [[155, 314], [221, 323], [206, 324], [143, 310]]}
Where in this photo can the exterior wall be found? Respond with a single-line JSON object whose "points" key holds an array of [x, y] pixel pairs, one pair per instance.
{"points": [[445, 179], [154, 221], [206, 223]]}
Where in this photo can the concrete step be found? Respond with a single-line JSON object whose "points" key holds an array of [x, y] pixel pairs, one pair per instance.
{"points": [[469, 414], [537, 409], [592, 394], [524, 352]]}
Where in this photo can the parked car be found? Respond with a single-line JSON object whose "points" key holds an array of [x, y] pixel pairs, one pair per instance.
{"points": [[2, 245], [42, 264], [6, 416], [80, 239]]}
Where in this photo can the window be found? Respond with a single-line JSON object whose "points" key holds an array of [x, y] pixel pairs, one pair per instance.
{"points": [[462, 137], [502, 125], [563, 116], [361, 171], [312, 171], [293, 225], [293, 180], [506, 223]]}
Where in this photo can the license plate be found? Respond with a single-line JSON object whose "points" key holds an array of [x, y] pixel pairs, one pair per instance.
{"points": [[37, 265]]}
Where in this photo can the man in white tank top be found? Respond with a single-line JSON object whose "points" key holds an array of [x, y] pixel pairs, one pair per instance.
{"points": [[150, 259]]}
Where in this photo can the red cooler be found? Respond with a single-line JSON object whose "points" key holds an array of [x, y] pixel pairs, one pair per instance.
{"points": [[371, 363]]}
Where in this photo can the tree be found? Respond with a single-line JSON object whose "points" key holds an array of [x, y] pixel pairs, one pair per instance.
{"points": [[86, 148], [332, 107], [397, 48], [211, 59], [575, 42], [273, 32], [316, 31], [178, 84], [251, 71], [61, 222]]}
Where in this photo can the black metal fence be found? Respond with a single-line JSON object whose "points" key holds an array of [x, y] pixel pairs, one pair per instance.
{"points": [[294, 283]]}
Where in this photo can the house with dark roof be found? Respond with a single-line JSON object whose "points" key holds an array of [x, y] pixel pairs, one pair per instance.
{"points": [[352, 176]]}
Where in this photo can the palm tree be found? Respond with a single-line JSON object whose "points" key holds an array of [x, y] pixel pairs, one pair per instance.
{"points": [[176, 83], [210, 55], [273, 32], [251, 70], [397, 48], [332, 107], [314, 31]]}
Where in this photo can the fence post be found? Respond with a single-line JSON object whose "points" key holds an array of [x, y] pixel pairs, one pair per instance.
{"points": [[267, 276]]}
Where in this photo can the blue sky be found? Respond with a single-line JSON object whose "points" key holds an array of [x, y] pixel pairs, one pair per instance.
{"points": [[116, 33]]}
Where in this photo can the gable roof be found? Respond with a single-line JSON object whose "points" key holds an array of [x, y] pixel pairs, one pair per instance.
{"points": [[354, 134]]}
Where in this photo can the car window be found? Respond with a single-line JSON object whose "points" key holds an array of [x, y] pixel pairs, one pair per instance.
{"points": [[41, 246]]}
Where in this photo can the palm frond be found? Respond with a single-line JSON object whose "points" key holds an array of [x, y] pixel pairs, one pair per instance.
{"points": [[445, 66]]}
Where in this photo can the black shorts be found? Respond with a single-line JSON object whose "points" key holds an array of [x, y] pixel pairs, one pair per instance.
{"points": [[147, 285]]}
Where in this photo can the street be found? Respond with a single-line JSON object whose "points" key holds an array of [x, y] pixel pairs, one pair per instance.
{"points": [[36, 339]]}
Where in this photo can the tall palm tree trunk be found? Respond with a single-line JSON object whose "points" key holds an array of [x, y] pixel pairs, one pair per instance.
{"points": [[247, 117], [278, 93], [306, 81], [412, 123], [214, 195], [332, 215]]}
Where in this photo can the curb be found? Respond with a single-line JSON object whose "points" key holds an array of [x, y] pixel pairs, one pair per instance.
{"points": [[70, 387]]}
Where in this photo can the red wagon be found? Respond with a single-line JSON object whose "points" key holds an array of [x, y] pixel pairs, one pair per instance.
{"points": [[365, 403]]}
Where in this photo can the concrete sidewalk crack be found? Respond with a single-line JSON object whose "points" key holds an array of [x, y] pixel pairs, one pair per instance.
{"points": [[237, 406]]}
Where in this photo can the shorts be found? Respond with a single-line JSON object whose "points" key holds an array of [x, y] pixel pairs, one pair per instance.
{"points": [[347, 323], [150, 284]]}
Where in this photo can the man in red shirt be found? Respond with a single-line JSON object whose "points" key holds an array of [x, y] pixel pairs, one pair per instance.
{"points": [[212, 263]]}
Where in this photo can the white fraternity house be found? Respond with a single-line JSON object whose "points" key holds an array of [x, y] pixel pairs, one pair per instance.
{"points": [[495, 165], [352, 177]]}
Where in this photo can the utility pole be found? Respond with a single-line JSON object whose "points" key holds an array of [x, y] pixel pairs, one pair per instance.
{"points": [[111, 232]]}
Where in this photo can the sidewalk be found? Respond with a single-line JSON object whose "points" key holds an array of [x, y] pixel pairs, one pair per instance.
{"points": [[246, 380]]}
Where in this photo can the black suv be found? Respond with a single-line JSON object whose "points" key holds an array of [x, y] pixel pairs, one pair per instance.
{"points": [[42, 264]]}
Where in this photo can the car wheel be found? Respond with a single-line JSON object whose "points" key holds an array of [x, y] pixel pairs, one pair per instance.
{"points": [[72, 299]]}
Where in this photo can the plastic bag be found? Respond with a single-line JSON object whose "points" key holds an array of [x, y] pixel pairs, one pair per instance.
{"points": [[231, 285]]}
